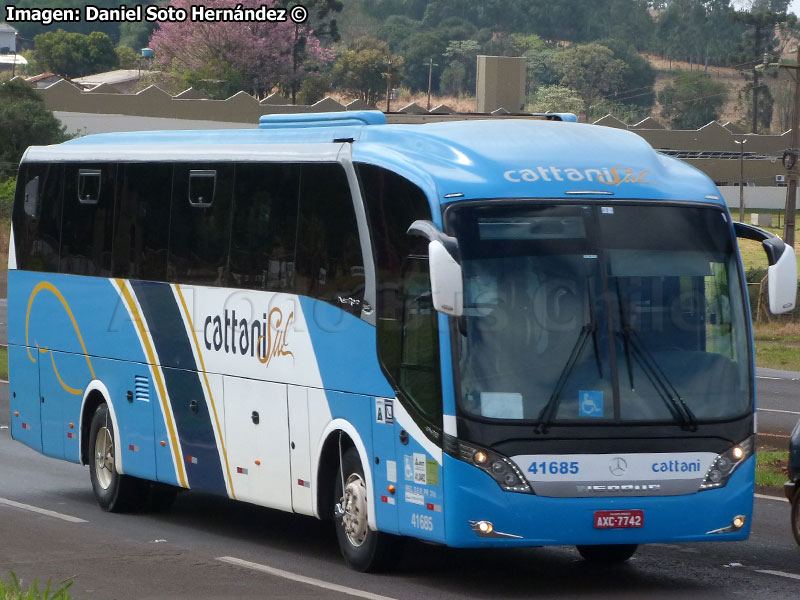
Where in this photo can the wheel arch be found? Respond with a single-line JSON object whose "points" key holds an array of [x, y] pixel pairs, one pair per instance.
{"points": [[97, 393], [328, 461]]}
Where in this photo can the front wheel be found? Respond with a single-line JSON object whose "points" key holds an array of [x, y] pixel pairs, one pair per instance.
{"points": [[796, 516], [114, 492], [607, 555], [362, 549]]}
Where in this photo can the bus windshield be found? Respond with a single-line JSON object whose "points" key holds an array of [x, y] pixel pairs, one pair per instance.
{"points": [[600, 313]]}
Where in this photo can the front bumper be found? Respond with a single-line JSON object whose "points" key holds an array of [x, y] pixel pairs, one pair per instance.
{"points": [[540, 521]]}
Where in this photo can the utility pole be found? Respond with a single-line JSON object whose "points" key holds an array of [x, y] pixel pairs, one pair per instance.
{"points": [[389, 86], [790, 158], [431, 64], [741, 144]]}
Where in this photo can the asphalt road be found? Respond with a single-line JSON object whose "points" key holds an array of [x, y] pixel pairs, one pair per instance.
{"points": [[208, 547], [778, 394]]}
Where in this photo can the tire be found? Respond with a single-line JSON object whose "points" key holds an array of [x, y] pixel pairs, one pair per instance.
{"points": [[607, 555], [114, 492], [796, 516], [363, 549]]}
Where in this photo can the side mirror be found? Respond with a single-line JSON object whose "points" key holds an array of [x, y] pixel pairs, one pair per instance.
{"points": [[447, 283], [782, 271]]}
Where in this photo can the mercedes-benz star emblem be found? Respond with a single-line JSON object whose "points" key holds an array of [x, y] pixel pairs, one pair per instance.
{"points": [[618, 466]]}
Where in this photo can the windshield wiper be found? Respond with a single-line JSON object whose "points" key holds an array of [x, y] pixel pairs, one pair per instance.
{"points": [[679, 410], [548, 412]]}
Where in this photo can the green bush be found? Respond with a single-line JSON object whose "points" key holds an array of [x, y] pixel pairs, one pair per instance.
{"points": [[7, 200]]}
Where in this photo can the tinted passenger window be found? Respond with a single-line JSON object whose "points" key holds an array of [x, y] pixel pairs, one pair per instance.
{"points": [[200, 230], [264, 226], [141, 229], [38, 235], [88, 217], [329, 262], [408, 340]]}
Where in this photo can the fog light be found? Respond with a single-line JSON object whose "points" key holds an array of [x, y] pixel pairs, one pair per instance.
{"points": [[738, 522], [479, 457], [485, 527], [738, 452]]}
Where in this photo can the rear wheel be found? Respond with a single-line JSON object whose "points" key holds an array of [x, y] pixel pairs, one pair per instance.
{"points": [[607, 555], [362, 548], [796, 516], [114, 492]]}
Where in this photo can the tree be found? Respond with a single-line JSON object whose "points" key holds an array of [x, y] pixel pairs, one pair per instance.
{"points": [[555, 98], [591, 70], [222, 58], [360, 70], [135, 34], [760, 40], [692, 100], [638, 78], [25, 121], [126, 57], [418, 50], [74, 54], [539, 53]]}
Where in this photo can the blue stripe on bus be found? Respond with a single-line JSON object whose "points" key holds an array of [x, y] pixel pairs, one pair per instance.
{"points": [[195, 430]]}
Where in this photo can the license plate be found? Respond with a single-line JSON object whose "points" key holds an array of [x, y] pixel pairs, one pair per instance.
{"points": [[618, 519]]}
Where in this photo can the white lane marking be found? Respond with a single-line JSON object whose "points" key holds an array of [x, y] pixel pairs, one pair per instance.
{"points": [[42, 511], [778, 573], [785, 412], [302, 578], [765, 497], [765, 377]]}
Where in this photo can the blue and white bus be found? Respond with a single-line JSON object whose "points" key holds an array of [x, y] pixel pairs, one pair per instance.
{"points": [[486, 333]]}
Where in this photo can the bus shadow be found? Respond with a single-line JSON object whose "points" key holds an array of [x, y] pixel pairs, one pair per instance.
{"points": [[471, 572]]}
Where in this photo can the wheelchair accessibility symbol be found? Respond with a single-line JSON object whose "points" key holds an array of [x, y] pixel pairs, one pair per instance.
{"points": [[590, 403]]}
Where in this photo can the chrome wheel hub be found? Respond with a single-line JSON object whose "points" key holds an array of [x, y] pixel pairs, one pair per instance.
{"points": [[354, 504], [104, 458]]}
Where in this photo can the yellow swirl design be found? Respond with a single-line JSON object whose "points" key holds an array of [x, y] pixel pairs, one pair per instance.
{"points": [[47, 286]]}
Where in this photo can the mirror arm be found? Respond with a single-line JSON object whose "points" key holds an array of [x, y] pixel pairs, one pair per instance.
{"points": [[773, 245], [431, 232]]}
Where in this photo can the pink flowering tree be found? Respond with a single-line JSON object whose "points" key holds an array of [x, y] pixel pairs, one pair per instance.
{"points": [[221, 58]]}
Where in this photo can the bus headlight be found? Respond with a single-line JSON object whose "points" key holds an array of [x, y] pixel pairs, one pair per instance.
{"points": [[726, 463], [500, 468]]}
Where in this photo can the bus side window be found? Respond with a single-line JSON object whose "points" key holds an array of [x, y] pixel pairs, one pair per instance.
{"points": [[329, 262], [200, 227], [264, 226], [141, 225], [37, 236], [88, 207], [408, 347]]}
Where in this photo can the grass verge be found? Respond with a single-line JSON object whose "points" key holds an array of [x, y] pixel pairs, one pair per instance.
{"points": [[11, 589], [778, 345], [3, 363], [770, 467]]}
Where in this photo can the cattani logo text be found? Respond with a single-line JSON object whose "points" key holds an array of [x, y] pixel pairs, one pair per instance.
{"points": [[604, 175]]}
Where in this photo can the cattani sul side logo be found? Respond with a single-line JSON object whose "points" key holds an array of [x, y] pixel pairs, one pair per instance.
{"points": [[264, 338], [604, 175]]}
